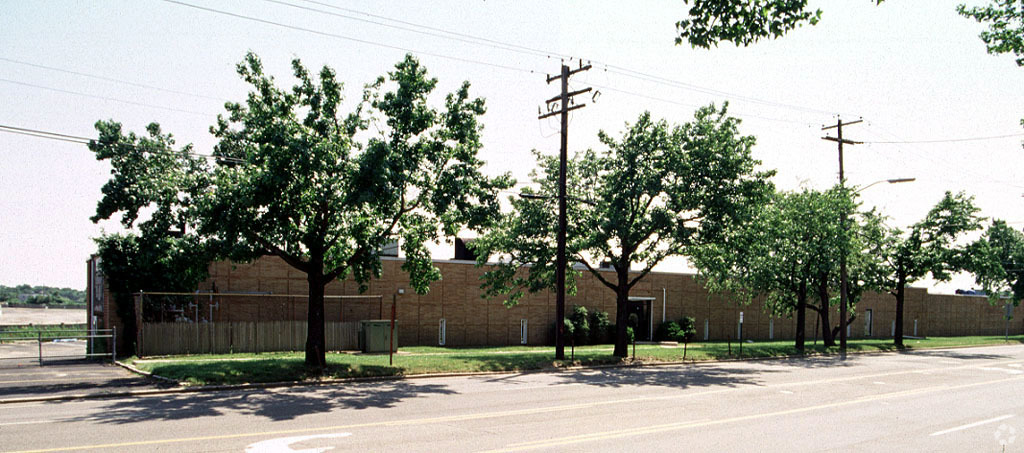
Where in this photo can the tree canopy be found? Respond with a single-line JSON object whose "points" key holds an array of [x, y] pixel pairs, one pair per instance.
{"points": [[997, 262], [653, 193], [929, 247], [310, 193], [298, 179], [1005, 20], [742, 22], [152, 191], [789, 253]]}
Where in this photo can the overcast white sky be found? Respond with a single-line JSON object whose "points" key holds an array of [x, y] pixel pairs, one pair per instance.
{"points": [[913, 69]]}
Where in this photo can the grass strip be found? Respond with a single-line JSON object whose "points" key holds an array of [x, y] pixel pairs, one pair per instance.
{"points": [[221, 369], [32, 332]]}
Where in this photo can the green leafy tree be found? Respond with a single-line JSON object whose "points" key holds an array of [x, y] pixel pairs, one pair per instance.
{"points": [[1005, 19], [308, 192], [151, 190], [997, 262], [929, 247], [742, 22], [789, 254], [655, 193]]}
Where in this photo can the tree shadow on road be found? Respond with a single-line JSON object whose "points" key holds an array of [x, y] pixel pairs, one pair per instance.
{"points": [[272, 404], [953, 354], [815, 361]]}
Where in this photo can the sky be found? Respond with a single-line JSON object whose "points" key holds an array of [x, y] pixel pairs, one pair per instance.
{"points": [[913, 70]]}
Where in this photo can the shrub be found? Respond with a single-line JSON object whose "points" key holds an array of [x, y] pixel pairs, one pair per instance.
{"points": [[667, 331], [687, 329], [580, 333], [600, 327]]}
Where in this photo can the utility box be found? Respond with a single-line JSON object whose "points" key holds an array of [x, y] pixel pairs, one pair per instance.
{"points": [[375, 335]]}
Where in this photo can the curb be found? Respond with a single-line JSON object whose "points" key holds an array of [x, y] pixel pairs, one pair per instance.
{"points": [[286, 384]]}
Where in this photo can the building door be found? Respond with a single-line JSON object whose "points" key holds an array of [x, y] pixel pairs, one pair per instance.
{"points": [[642, 324]]}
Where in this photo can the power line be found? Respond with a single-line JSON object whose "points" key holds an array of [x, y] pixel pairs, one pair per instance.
{"points": [[511, 46], [925, 156], [477, 40], [700, 89], [441, 33], [123, 101], [947, 140], [347, 38], [670, 101], [110, 79], [86, 141]]}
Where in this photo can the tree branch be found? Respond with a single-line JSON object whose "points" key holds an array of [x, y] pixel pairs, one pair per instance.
{"points": [[597, 274], [275, 250]]}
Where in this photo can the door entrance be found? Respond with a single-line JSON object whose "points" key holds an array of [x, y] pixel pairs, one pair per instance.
{"points": [[640, 307]]}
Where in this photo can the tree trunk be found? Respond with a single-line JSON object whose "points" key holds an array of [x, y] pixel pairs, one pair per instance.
{"points": [[621, 322], [801, 316], [316, 357], [900, 293], [826, 327]]}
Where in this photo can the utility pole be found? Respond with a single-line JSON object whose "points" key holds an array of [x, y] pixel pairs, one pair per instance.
{"points": [[559, 105], [843, 278]]}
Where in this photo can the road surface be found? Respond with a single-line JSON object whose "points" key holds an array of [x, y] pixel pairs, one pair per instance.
{"points": [[939, 400]]}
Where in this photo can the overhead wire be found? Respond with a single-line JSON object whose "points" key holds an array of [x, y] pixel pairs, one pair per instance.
{"points": [[440, 33], [110, 79], [946, 140], [105, 98], [922, 155], [349, 38], [477, 40], [85, 141], [530, 50]]}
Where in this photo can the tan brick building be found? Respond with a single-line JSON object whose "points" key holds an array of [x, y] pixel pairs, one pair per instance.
{"points": [[454, 313]]}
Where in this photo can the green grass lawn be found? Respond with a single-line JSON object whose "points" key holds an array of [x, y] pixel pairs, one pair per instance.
{"points": [[288, 366], [31, 332]]}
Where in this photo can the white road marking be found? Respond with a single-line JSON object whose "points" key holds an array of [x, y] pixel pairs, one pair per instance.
{"points": [[1004, 370], [33, 422], [972, 425], [878, 383], [282, 444], [786, 392]]}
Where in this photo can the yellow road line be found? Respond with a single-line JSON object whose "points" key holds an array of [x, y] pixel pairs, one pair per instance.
{"points": [[497, 414]]}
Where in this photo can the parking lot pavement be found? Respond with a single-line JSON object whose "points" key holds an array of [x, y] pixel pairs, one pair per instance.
{"points": [[64, 373]]}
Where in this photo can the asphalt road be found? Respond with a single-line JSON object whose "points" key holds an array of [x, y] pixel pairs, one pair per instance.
{"points": [[941, 400]]}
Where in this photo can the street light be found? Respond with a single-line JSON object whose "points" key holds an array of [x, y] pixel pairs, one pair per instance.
{"points": [[890, 181]]}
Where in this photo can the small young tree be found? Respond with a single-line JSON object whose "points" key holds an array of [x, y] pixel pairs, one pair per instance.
{"points": [[687, 329]]}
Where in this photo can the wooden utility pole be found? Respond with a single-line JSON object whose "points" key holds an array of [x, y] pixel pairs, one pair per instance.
{"points": [[559, 105], [843, 283]]}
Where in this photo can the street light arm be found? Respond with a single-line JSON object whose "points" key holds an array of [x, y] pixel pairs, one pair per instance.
{"points": [[890, 181]]}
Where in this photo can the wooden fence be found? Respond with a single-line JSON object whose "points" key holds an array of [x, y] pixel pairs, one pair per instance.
{"points": [[231, 337]]}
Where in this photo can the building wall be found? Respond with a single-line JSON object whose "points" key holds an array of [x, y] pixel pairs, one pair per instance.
{"points": [[472, 320]]}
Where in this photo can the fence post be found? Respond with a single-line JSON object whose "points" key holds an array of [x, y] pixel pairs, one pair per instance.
{"points": [[40, 340], [113, 350]]}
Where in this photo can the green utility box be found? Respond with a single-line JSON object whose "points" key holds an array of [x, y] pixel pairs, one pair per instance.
{"points": [[375, 335]]}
